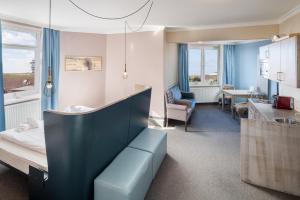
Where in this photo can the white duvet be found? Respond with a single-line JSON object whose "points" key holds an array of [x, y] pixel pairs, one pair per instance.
{"points": [[33, 139]]}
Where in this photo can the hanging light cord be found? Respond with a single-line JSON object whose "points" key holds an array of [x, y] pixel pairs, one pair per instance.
{"points": [[125, 24], [125, 35], [144, 22], [49, 32], [109, 18]]}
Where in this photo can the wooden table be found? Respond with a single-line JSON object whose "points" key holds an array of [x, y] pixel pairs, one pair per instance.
{"points": [[236, 93]]}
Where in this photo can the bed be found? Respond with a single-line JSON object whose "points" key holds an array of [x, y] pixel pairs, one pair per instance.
{"points": [[23, 149], [20, 150], [78, 146]]}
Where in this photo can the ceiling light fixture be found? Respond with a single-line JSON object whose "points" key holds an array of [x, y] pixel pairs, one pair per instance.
{"points": [[277, 38], [125, 73], [49, 83]]}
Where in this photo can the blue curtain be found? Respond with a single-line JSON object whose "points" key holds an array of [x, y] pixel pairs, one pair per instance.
{"points": [[50, 101], [2, 115], [183, 68], [229, 64]]}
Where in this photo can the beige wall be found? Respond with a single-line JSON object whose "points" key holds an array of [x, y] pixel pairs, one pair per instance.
{"points": [[221, 34], [171, 66], [81, 88], [291, 25], [152, 60], [145, 65]]}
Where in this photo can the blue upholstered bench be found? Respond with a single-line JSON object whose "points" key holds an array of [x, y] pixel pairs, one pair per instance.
{"points": [[130, 174], [128, 177], [153, 141]]}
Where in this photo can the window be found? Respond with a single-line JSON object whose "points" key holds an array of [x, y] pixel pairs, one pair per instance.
{"points": [[204, 65], [21, 60], [194, 65]]}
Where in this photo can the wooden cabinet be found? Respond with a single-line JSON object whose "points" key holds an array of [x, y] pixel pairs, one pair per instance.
{"points": [[251, 112], [270, 155], [283, 61], [274, 60], [288, 67]]}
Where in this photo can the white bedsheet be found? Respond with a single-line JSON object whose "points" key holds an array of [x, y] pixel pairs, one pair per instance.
{"points": [[33, 139], [21, 158]]}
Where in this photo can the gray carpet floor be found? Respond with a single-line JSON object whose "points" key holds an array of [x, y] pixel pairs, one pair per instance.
{"points": [[202, 164]]}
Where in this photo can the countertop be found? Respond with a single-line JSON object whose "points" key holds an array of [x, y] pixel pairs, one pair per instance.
{"points": [[270, 113]]}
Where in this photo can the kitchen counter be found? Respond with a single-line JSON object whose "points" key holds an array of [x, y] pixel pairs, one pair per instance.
{"points": [[270, 148], [267, 112]]}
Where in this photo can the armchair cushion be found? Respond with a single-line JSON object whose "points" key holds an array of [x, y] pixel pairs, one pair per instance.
{"points": [[177, 107], [170, 97], [176, 92], [185, 102]]}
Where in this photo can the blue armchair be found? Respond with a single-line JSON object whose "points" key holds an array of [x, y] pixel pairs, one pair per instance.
{"points": [[179, 105]]}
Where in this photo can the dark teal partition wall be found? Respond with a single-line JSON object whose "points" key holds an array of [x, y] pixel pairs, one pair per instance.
{"points": [[79, 147], [139, 114]]}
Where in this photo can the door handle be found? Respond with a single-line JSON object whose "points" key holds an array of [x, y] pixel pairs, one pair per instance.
{"points": [[279, 76]]}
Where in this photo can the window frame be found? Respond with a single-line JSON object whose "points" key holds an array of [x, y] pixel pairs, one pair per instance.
{"points": [[38, 59], [203, 82]]}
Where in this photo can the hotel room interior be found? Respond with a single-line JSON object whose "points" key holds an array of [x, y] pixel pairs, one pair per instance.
{"points": [[149, 99]]}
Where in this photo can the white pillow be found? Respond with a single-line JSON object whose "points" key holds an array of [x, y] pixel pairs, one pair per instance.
{"points": [[77, 109], [28, 125]]}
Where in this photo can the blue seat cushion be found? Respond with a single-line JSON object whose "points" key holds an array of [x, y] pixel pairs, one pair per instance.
{"points": [[128, 177], [154, 141]]}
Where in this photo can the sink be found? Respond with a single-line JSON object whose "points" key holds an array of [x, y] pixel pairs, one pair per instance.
{"points": [[287, 121], [264, 101]]}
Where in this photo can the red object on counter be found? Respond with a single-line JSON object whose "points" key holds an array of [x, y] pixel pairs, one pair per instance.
{"points": [[282, 102]]}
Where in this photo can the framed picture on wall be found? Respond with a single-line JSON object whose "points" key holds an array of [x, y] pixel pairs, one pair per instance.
{"points": [[83, 63]]}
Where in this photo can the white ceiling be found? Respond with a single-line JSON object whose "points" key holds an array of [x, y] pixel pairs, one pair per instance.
{"points": [[168, 13]]}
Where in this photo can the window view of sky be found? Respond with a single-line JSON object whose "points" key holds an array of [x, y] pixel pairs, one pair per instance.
{"points": [[18, 38], [194, 62], [211, 61], [18, 60]]}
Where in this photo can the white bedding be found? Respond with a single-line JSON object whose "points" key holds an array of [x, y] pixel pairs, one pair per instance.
{"points": [[27, 148], [33, 139], [20, 157]]}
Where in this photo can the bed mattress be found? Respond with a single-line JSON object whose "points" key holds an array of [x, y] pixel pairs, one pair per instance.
{"points": [[33, 139], [21, 158], [23, 149]]}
